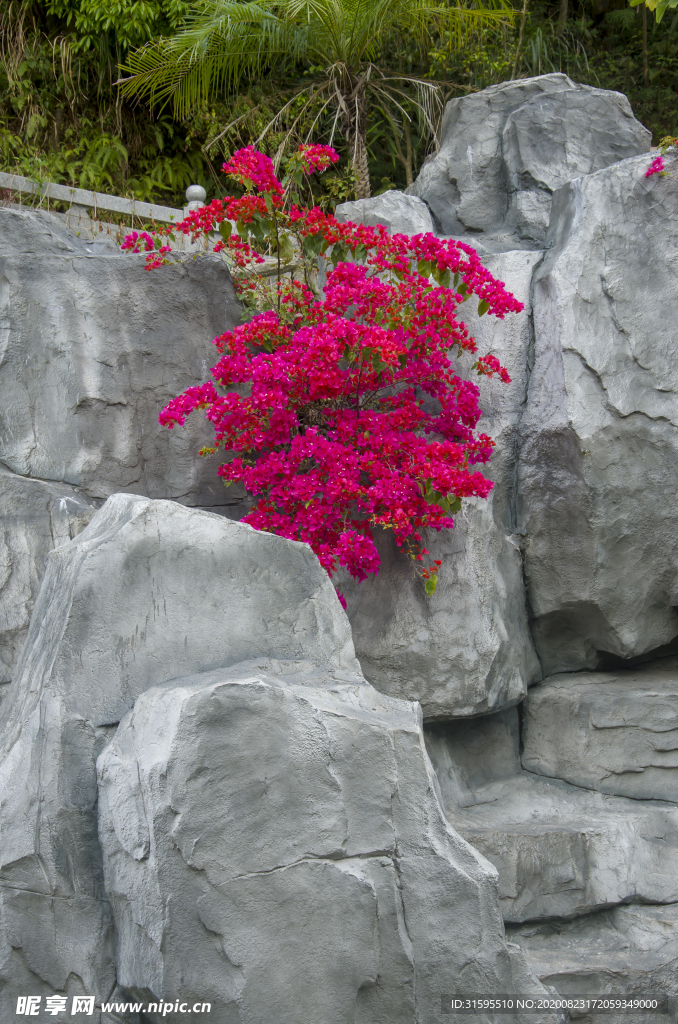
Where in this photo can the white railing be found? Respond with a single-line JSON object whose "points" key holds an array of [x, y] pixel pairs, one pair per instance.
{"points": [[83, 199]]}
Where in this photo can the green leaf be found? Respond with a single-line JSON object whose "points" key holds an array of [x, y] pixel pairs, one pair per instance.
{"points": [[339, 254], [483, 307], [430, 585], [285, 248], [442, 277], [225, 229]]}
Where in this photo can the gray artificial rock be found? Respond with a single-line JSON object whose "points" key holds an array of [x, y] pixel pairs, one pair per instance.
{"points": [[468, 753], [91, 348], [35, 516], [613, 732], [467, 649], [627, 952], [599, 446], [277, 848], [562, 851], [399, 213], [150, 590], [506, 149]]}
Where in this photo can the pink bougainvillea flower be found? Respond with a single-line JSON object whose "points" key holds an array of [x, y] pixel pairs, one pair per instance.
{"points": [[253, 169], [343, 409], [656, 167], [317, 157]]}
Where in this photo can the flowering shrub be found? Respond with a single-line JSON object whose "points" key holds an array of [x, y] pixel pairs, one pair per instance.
{"points": [[658, 166], [338, 401]]}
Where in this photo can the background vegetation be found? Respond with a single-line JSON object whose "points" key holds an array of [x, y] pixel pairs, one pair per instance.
{"points": [[62, 117]]}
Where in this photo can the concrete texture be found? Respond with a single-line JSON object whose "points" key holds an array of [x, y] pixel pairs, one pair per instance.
{"points": [[626, 952], [505, 150], [467, 650], [279, 849], [148, 591], [599, 436], [613, 732]]}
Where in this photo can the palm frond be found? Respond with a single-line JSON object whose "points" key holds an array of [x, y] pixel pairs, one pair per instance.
{"points": [[224, 41]]}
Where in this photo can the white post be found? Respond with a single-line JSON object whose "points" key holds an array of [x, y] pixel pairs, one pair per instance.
{"points": [[196, 196]]}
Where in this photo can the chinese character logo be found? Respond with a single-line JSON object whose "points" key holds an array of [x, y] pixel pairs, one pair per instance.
{"points": [[28, 1006], [83, 1004]]}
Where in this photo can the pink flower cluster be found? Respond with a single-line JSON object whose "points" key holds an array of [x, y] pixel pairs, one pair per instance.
{"points": [[656, 167], [253, 169], [138, 242], [317, 158], [490, 365], [143, 242], [343, 411]]}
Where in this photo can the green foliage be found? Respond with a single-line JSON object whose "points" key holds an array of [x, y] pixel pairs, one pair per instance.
{"points": [[224, 42], [128, 23], [62, 118], [341, 45], [660, 7]]}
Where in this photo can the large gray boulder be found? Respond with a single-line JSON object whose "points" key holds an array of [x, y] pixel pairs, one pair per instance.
{"points": [[277, 848], [599, 448], [150, 590], [92, 347], [399, 213], [506, 149], [35, 516], [613, 732], [467, 649]]}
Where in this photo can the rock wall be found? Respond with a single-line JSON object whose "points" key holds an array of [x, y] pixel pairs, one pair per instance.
{"points": [[91, 348], [203, 791], [263, 832], [506, 150], [571, 796]]}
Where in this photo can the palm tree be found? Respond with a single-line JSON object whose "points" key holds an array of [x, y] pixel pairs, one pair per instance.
{"points": [[339, 41]]}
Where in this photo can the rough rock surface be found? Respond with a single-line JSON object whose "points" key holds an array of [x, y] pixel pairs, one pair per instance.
{"points": [[91, 348], [506, 149], [560, 850], [627, 951], [467, 650], [328, 885], [468, 753], [35, 516], [398, 212], [613, 732], [599, 449], [148, 591]]}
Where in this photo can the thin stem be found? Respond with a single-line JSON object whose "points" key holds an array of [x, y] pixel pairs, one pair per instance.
{"points": [[520, 39], [646, 68], [277, 253], [562, 19]]}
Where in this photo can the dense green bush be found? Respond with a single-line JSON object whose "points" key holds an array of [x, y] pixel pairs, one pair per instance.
{"points": [[62, 118]]}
